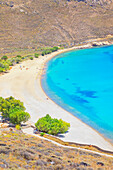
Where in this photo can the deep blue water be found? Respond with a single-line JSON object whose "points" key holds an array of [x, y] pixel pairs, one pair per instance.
{"points": [[81, 81]]}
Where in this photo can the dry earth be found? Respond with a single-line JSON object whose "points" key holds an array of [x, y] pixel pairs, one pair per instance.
{"points": [[35, 23]]}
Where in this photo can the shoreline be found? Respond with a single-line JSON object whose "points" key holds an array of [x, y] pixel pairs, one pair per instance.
{"points": [[60, 52], [43, 72], [26, 86]]}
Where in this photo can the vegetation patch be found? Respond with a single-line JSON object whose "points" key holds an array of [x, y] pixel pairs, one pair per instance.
{"points": [[13, 110], [36, 55], [49, 50], [52, 126], [6, 63]]}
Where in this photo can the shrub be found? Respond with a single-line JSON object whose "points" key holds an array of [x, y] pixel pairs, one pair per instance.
{"points": [[51, 126], [42, 134], [31, 58], [18, 127], [36, 55], [4, 57]]}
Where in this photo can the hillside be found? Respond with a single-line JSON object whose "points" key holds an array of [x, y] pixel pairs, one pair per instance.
{"points": [[19, 151], [35, 23]]}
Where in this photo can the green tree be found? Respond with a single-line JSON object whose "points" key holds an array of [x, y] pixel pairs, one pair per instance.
{"points": [[54, 49], [4, 66], [31, 58], [17, 116], [8, 104], [43, 53], [4, 57]]}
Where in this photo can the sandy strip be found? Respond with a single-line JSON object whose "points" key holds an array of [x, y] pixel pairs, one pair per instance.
{"points": [[25, 85]]}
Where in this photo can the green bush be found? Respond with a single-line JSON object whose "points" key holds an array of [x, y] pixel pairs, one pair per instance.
{"points": [[4, 57], [19, 56], [36, 55], [52, 126], [31, 58]]}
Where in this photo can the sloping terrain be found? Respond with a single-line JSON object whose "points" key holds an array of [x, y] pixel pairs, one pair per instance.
{"points": [[36, 23], [19, 151]]}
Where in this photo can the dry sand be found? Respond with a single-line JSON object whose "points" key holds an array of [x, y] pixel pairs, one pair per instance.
{"points": [[25, 86]]}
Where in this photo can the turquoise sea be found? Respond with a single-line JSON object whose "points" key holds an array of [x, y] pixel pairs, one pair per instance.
{"points": [[81, 81]]}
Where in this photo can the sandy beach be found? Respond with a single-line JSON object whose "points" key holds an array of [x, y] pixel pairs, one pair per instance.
{"points": [[25, 85]]}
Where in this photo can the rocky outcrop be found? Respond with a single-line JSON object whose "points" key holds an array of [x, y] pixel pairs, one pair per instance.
{"points": [[100, 43]]}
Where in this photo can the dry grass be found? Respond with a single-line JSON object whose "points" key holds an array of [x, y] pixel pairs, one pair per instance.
{"points": [[22, 151], [34, 24]]}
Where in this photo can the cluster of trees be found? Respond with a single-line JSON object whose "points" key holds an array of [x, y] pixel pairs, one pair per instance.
{"points": [[6, 62], [49, 50], [51, 126], [13, 110]]}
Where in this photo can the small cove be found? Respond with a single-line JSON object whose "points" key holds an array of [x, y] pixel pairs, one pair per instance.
{"points": [[81, 81]]}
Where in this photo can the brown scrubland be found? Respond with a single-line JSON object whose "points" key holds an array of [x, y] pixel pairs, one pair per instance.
{"points": [[20, 151]]}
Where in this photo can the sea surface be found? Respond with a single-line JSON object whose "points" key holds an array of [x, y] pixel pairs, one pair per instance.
{"points": [[81, 81]]}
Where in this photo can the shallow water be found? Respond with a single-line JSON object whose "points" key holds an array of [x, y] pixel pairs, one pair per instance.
{"points": [[81, 81]]}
